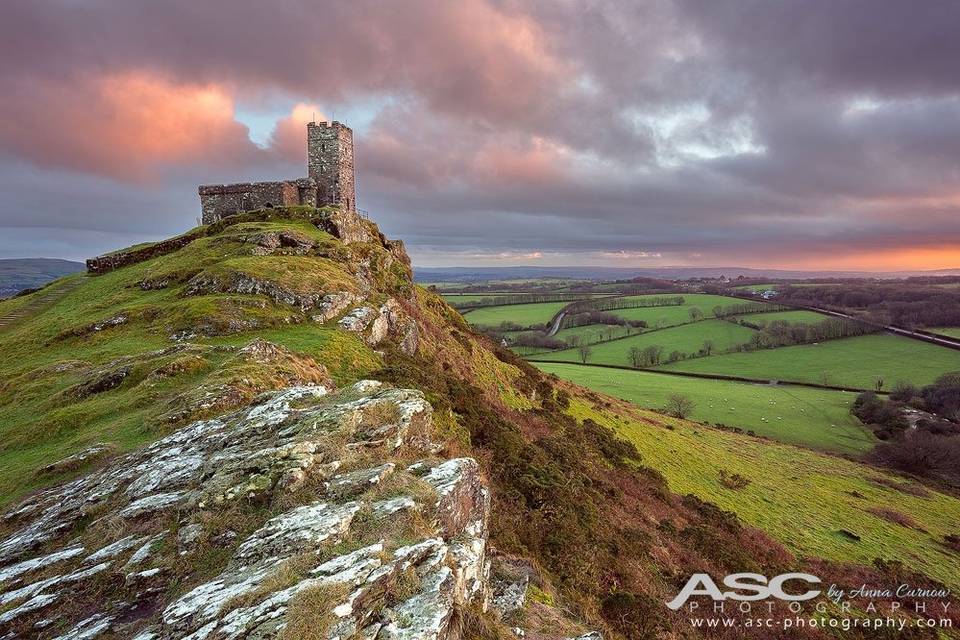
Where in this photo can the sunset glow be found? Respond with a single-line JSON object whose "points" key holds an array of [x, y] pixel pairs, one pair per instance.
{"points": [[661, 133]]}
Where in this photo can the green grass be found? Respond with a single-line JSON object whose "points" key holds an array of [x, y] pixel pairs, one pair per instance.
{"points": [[688, 338], [757, 287], [948, 331], [852, 362], [460, 298], [522, 314], [596, 332], [793, 317], [815, 418], [676, 315], [47, 353], [799, 497]]}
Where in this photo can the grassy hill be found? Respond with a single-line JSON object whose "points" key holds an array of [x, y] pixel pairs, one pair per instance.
{"points": [[609, 526], [808, 501], [815, 418]]}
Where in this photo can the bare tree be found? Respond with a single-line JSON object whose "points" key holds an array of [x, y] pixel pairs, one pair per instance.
{"points": [[679, 405], [696, 314], [585, 352], [707, 347], [651, 355], [636, 357]]}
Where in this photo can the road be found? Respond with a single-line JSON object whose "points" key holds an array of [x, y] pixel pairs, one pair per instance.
{"points": [[555, 326]]}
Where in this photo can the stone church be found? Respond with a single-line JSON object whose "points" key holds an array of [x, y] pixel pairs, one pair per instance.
{"points": [[329, 181]]}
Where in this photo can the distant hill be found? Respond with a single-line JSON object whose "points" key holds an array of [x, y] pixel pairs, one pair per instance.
{"points": [[470, 274], [18, 274]]}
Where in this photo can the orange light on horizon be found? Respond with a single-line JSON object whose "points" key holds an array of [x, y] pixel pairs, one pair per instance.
{"points": [[894, 259]]}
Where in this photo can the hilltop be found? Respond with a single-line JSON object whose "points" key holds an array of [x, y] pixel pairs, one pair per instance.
{"points": [[264, 428]]}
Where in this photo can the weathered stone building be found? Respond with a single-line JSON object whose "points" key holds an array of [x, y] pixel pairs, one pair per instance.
{"points": [[329, 181]]}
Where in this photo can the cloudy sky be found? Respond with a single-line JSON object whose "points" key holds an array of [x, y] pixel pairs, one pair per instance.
{"points": [[802, 134]]}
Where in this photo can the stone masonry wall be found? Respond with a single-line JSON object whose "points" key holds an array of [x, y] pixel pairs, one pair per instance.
{"points": [[330, 182], [330, 163], [219, 201]]}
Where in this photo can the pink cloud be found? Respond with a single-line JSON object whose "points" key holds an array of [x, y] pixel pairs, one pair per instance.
{"points": [[124, 126]]}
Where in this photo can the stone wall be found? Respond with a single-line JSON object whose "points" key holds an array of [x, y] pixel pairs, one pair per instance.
{"points": [[220, 200], [111, 261], [330, 163]]}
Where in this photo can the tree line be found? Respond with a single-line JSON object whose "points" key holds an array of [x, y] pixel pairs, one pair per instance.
{"points": [[781, 333], [610, 304], [778, 333], [904, 303], [518, 298], [585, 318]]}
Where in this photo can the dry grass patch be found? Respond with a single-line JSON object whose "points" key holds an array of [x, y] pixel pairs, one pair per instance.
{"points": [[289, 573], [891, 515], [310, 613], [909, 488]]}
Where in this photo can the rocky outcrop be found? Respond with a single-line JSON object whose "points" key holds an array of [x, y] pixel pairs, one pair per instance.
{"points": [[303, 510], [377, 324], [285, 242], [346, 225], [233, 384], [242, 283]]}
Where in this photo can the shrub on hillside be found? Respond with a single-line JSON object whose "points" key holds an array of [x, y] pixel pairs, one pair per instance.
{"points": [[885, 418], [539, 340], [923, 454]]}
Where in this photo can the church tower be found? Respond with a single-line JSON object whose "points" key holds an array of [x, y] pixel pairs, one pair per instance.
{"points": [[330, 164]]}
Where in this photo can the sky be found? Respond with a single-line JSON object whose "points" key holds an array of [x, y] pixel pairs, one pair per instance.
{"points": [[801, 134]]}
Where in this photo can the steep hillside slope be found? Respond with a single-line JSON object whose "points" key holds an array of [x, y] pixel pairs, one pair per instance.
{"points": [[266, 430]]}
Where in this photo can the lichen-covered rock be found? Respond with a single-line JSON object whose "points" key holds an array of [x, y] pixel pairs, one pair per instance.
{"points": [[390, 320], [78, 459], [243, 283], [510, 579], [231, 385], [105, 554], [358, 319], [333, 304], [287, 242]]}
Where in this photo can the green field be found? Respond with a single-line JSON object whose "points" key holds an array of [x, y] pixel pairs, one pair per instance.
{"points": [[852, 362], [597, 332], [522, 314], [802, 498], [676, 314], [687, 338], [815, 418], [948, 331], [460, 298], [793, 317], [757, 287]]}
